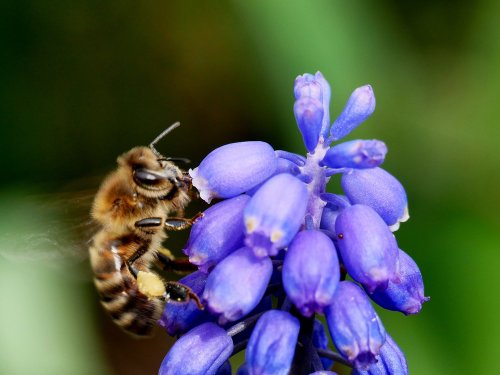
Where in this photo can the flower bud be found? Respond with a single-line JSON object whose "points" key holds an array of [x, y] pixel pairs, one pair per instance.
{"points": [[309, 117], [233, 169], [236, 285], [311, 109], [407, 295], [272, 344], [306, 86], [274, 214], [380, 190], [217, 233], [355, 327], [328, 219], [200, 351], [359, 107], [359, 154], [178, 318], [311, 272], [367, 247], [391, 361]]}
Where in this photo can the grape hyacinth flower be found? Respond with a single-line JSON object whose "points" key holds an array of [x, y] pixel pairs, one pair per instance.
{"points": [[212, 238], [272, 344], [356, 329], [274, 252], [178, 318], [391, 361], [200, 351]]}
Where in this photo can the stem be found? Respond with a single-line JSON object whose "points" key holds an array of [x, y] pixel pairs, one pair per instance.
{"points": [[238, 347], [316, 363], [309, 222], [331, 171], [305, 339], [317, 185], [290, 156], [336, 200], [243, 325], [335, 356]]}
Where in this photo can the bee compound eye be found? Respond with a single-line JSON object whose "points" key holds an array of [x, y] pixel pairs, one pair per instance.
{"points": [[144, 177]]}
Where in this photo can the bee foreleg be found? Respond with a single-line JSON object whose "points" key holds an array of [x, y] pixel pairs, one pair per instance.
{"points": [[181, 223], [149, 222]]}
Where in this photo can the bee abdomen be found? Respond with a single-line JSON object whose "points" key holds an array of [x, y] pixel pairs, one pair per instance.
{"points": [[140, 316], [133, 311], [129, 308]]}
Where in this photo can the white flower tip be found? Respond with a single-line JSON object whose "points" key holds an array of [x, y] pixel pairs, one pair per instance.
{"points": [[406, 215], [197, 260], [394, 227], [201, 184], [206, 195]]}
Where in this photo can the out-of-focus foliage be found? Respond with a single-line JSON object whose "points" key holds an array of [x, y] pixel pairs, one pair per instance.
{"points": [[82, 81]]}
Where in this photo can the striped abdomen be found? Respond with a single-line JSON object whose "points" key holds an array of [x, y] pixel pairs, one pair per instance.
{"points": [[129, 308]]}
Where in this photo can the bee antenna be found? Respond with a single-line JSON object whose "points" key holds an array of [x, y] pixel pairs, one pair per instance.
{"points": [[175, 158], [162, 134]]}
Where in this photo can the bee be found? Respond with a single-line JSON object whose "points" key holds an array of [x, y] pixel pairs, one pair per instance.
{"points": [[133, 208]]}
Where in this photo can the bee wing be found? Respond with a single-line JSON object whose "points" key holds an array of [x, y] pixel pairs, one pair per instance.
{"points": [[53, 230]]}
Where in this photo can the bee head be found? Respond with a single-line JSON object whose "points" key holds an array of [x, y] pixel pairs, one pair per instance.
{"points": [[154, 175]]}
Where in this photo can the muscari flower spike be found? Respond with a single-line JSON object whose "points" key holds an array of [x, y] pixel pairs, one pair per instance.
{"points": [[274, 253]]}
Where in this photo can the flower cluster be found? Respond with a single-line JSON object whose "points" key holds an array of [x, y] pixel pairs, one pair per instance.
{"points": [[275, 251]]}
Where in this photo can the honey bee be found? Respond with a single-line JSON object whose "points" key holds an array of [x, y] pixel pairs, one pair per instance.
{"points": [[132, 208]]}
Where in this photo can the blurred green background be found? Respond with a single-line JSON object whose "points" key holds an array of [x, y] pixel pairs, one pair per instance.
{"points": [[83, 81]]}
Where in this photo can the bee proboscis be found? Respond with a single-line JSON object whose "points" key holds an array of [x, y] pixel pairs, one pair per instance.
{"points": [[133, 208]]}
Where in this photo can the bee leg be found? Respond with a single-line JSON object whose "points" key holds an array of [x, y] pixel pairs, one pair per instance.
{"points": [[150, 284], [167, 262], [139, 253], [148, 223], [181, 293], [181, 223], [171, 223]]}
